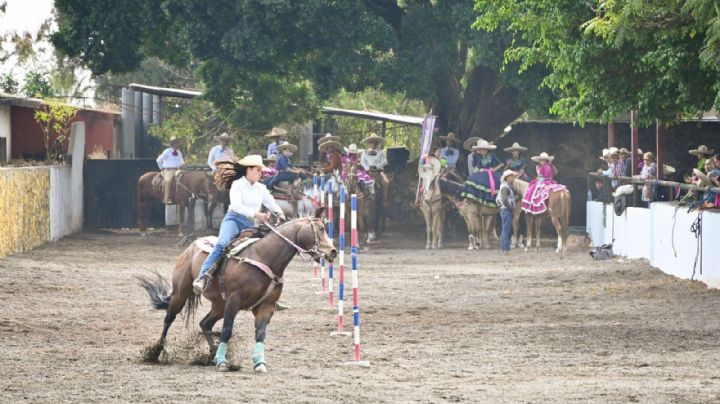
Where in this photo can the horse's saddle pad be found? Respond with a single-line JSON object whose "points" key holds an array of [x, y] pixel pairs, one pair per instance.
{"points": [[236, 246]]}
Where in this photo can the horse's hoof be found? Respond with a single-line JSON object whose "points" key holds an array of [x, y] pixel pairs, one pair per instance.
{"points": [[143, 234], [222, 367], [427, 246], [261, 368], [526, 249], [181, 235], [470, 247]]}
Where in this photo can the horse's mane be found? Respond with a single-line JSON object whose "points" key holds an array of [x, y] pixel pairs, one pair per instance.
{"points": [[520, 186], [450, 187]]}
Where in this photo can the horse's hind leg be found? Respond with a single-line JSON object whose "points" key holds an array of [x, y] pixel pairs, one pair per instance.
{"points": [[538, 225], [558, 228], [231, 309], [263, 314]]}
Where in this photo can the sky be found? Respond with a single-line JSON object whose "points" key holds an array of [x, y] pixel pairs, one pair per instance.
{"points": [[25, 15]]}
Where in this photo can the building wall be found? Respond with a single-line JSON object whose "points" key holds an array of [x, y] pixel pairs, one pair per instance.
{"points": [[5, 131], [25, 207], [28, 140]]}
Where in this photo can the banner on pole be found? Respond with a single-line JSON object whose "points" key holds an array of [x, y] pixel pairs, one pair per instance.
{"points": [[428, 127]]}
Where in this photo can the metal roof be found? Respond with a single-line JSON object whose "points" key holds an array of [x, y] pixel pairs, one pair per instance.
{"points": [[380, 116], [164, 91]]}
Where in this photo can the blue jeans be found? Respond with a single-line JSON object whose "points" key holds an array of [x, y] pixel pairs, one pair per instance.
{"points": [[282, 176], [506, 215], [231, 226]]}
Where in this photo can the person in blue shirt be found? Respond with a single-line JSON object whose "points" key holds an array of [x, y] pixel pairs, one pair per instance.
{"points": [[516, 163], [285, 170], [278, 136], [450, 153]]}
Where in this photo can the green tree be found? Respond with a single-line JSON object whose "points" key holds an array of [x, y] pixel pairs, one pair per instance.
{"points": [[54, 119], [608, 57], [37, 85], [8, 84], [272, 61]]}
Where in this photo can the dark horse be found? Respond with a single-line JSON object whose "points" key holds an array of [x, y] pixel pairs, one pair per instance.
{"points": [[197, 183], [246, 285], [366, 197]]}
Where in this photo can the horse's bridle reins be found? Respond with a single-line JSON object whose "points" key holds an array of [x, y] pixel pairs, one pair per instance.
{"points": [[313, 252]]}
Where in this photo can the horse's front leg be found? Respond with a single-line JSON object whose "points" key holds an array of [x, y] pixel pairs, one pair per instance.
{"points": [[181, 219], [231, 309], [263, 314]]}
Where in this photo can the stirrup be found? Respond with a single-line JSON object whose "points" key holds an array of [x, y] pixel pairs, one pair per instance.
{"points": [[200, 284]]}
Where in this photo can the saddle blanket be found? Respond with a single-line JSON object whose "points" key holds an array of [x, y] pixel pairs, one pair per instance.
{"points": [[208, 243]]}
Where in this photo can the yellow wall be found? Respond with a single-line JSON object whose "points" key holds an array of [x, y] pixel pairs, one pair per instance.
{"points": [[24, 209]]}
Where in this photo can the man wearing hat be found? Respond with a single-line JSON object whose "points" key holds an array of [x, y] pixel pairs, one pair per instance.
{"points": [[373, 158], [506, 201], [285, 170], [702, 153], [170, 162], [219, 152], [277, 135], [449, 152]]}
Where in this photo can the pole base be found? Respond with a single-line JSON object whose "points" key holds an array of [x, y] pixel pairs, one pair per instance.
{"points": [[364, 364], [342, 333]]}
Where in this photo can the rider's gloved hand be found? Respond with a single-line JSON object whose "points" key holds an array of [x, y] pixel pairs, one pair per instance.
{"points": [[262, 217]]}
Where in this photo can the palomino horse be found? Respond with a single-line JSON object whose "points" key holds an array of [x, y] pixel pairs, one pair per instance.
{"points": [[191, 183], [432, 207], [558, 209], [480, 219], [253, 282]]}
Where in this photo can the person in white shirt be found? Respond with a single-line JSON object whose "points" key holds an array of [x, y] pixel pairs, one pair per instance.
{"points": [[247, 196], [170, 162], [219, 152], [373, 158]]}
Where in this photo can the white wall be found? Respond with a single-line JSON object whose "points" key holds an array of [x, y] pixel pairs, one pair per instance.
{"points": [[66, 189], [661, 235], [5, 127]]}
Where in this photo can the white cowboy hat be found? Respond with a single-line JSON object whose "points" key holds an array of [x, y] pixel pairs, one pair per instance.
{"points": [[276, 132], [353, 149], [507, 173], [324, 145], [542, 156], [224, 136], [287, 145], [639, 151], [613, 151], [515, 147], [373, 137], [605, 154], [328, 137], [483, 144], [252, 160], [702, 176], [450, 137], [668, 169], [702, 150], [468, 144]]}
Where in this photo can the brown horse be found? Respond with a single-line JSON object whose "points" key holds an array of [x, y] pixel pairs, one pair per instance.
{"points": [[366, 197], [247, 286], [558, 209], [191, 183]]}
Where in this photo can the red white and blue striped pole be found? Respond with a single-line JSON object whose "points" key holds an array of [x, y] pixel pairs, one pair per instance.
{"points": [[330, 231], [323, 280], [356, 294], [315, 265], [341, 261]]}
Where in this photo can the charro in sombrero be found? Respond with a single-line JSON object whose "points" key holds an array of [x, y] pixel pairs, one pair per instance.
{"points": [[373, 138], [515, 147], [324, 145], [542, 156], [483, 144], [450, 138], [287, 146], [328, 137], [276, 132], [468, 144]]}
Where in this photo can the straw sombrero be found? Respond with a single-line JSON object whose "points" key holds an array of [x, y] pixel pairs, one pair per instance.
{"points": [[483, 144], [542, 156], [224, 136], [373, 137], [353, 149], [515, 147], [252, 160], [286, 145], [506, 173], [702, 150], [328, 137], [324, 145], [172, 140], [450, 138], [468, 144], [276, 132]]}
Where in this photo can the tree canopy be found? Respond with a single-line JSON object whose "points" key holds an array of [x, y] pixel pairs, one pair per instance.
{"points": [[608, 57], [276, 61]]}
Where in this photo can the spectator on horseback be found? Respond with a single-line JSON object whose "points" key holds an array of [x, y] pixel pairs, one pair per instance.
{"points": [[649, 172], [220, 152], [247, 196], [449, 152], [278, 136], [506, 202], [517, 163], [334, 158], [373, 159], [540, 188], [269, 171], [351, 162], [285, 170], [170, 163]]}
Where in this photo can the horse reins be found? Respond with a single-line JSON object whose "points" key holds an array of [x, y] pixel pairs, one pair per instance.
{"points": [[312, 252]]}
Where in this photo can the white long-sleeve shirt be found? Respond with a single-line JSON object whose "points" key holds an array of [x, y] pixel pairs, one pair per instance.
{"points": [[217, 153], [247, 199], [167, 160], [378, 160]]}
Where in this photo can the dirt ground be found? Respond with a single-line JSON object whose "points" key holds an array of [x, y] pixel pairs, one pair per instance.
{"points": [[437, 326]]}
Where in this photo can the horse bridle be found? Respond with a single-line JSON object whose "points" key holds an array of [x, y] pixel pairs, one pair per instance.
{"points": [[313, 252]]}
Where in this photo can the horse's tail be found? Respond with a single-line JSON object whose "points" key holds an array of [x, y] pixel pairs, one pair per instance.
{"points": [[157, 288]]}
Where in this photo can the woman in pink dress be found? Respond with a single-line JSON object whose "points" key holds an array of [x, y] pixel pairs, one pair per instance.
{"points": [[539, 190], [351, 158]]}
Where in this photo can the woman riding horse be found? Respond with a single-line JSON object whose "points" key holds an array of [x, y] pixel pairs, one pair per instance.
{"points": [[247, 196]]}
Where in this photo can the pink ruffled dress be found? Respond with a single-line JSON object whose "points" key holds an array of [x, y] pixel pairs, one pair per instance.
{"points": [[539, 190], [350, 159]]}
